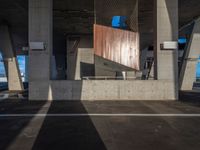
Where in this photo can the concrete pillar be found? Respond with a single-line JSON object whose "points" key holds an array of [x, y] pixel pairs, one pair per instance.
{"points": [[40, 30], [84, 63], [166, 29], [10, 60], [190, 60]]}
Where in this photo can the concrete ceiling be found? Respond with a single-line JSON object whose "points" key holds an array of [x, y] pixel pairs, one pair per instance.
{"points": [[15, 14], [74, 16]]}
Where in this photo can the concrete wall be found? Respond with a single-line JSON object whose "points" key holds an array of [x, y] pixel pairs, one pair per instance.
{"points": [[105, 67], [84, 63], [84, 41], [103, 90]]}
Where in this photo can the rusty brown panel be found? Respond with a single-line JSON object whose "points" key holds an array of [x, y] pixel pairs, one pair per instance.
{"points": [[117, 45]]}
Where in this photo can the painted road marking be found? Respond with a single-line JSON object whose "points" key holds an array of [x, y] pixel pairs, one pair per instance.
{"points": [[99, 115]]}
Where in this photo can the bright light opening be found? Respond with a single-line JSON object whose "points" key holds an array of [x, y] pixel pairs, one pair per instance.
{"points": [[182, 40]]}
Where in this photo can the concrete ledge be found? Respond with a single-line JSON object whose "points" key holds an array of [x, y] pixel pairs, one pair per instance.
{"points": [[103, 90]]}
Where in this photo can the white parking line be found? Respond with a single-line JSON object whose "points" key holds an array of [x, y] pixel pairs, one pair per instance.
{"points": [[99, 115]]}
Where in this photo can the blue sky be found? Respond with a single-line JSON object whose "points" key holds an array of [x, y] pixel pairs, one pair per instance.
{"points": [[21, 61], [198, 69]]}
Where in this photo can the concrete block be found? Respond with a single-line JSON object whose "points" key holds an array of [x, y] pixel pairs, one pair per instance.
{"points": [[103, 90], [84, 63]]}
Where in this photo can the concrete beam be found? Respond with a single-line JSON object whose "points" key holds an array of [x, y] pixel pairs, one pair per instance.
{"points": [[10, 61], [190, 60]]}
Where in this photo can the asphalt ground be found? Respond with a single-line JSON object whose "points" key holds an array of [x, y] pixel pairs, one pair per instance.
{"points": [[101, 125]]}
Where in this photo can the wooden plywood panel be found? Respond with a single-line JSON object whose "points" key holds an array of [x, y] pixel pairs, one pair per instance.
{"points": [[117, 45]]}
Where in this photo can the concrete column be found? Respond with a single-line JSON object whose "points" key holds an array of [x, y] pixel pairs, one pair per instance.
{"points": [[188, 69], [40, 30], [166, 29], [10, 60]]}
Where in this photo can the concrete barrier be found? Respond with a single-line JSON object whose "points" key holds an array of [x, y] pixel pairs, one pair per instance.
{"points": [[103, 90]]}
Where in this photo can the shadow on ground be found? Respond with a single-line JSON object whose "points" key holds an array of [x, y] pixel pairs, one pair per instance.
{"points": [[74, 133], [190, 97], [47, 133], [100, 133], [10, 128]]}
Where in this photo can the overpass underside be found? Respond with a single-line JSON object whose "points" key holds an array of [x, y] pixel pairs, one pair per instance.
{"points": [[92, 60]]}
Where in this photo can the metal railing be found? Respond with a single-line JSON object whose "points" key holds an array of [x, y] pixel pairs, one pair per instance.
{"points": [[108, 78]]}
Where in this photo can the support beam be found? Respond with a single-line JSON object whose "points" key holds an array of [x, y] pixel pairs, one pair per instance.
{"points": [[188, 69], [166, 29], [40, 30], [10, 61]]}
